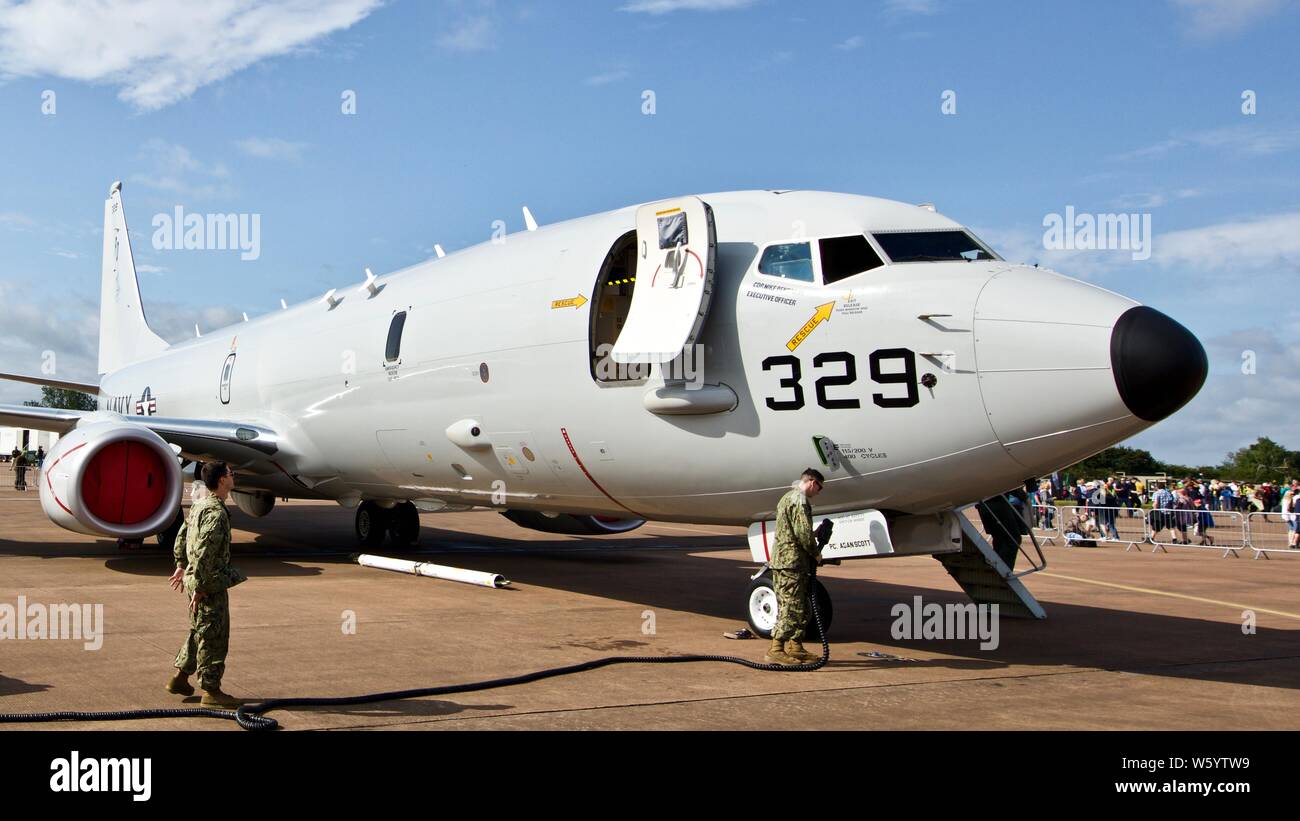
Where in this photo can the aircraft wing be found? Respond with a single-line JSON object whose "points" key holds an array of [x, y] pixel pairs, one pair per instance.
{"points": [[241, 444]]}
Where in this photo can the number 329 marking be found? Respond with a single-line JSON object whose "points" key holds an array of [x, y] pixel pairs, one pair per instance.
{"points": [[847, 376]]}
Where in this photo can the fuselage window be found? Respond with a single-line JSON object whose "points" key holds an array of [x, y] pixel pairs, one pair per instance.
{"points": [[845, 256], [792, 260], [394, 349]]}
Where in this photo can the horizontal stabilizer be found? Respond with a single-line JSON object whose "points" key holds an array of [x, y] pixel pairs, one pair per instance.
{"points": [[45, 381], [52, 419]]}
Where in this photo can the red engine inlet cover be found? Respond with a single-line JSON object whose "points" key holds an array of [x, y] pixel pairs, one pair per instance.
{"points": [[124, 483]]}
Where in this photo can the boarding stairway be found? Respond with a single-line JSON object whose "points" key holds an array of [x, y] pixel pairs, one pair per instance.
{"points": [[985, 576]]}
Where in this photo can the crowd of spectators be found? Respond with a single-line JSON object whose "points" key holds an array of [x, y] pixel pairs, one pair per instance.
{"points": [[1183, 507]]}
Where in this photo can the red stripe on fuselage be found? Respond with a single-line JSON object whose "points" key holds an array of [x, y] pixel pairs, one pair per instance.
{"points": [[565, 433]]}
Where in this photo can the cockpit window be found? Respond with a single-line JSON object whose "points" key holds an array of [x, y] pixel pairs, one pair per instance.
{"points": [[932, 246], [793, 260], [845, 256]]}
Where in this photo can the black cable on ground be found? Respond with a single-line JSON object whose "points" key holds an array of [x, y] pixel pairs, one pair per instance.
{"points": [[253, 716]]}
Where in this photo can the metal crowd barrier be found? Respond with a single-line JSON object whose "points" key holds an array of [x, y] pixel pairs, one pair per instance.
{"points": [[10, 480], [1047, 523], [1204, 529], [1268, 533], [1118, 525]]}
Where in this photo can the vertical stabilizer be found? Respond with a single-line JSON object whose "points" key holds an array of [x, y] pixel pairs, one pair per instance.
{"points": [[124, 334]]}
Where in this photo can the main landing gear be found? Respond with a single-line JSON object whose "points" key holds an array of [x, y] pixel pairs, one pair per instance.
{"points": [[375, 523]]}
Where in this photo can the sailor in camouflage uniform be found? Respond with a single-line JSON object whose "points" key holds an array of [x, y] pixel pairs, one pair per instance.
{"points": [[208, 574], [793, 554]]}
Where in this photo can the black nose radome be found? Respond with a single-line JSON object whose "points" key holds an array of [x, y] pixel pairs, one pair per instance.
{"points": [[1158, 364]]}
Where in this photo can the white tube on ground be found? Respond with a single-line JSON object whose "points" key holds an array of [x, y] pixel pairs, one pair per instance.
{"points": [[434, 571]]}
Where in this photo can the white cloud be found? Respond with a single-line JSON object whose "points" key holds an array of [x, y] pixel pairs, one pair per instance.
{"points": [[155, 51], [15, 221], [1269, 244], [1271, 241], [66, 254], [900, 8], [669, 6], [67, 326], [852, 43], [1210, 18], [474, 33], [173, 169], [1155, 199], [271, 148], [606, 78], [1248, 140]]}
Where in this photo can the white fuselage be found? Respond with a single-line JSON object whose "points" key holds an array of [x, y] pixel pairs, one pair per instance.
{"points": [[1021, 359]]}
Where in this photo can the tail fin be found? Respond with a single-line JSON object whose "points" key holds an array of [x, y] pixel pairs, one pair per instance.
{"points": [[124, 333]]}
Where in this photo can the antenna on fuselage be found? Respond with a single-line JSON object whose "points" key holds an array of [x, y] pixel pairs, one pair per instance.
{"points": [[245, 316], [332, 300], [283, 305], [529, 222], [370, 284], [437, 249], [196, 331]]}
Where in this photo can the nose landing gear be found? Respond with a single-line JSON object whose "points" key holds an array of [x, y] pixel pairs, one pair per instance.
{"points": [[762, 609]]}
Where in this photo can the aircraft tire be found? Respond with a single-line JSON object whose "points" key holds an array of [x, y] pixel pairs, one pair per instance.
{"points": [[404, 524], [167, 538], [762, 613], [371, 524]]}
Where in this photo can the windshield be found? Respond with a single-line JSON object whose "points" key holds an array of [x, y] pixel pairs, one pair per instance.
{"points": [[932, 246], [792, 261]]}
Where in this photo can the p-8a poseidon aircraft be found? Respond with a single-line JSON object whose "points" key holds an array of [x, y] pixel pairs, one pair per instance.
{"points": [[679, 360]]}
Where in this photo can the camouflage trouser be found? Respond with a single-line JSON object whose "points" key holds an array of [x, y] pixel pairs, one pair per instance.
{"points": [[205, 648], [791, 588]]}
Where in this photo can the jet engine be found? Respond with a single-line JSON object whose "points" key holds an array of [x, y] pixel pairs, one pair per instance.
{"points": [[111, 478], [573, 524]]}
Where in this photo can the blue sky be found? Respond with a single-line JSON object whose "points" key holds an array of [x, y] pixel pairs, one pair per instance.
{"points": [[468, 109]]}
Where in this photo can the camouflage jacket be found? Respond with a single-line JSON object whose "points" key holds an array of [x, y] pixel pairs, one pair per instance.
{"points": [[207, 547], [795, 546], [179, 550]]}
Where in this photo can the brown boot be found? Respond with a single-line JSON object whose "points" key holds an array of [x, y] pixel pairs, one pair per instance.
{"points": [[776, 655], [216, 698], [180, 684], [794, 649]]}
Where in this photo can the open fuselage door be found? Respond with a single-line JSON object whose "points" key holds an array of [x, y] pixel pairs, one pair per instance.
{"points": [[675, 244]]}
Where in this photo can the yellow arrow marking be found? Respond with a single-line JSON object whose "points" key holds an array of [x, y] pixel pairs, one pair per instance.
{"points": [[819, 316], [572, 302]]}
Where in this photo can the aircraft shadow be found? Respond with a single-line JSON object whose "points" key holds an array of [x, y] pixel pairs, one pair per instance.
{"points": [[654, 571]]}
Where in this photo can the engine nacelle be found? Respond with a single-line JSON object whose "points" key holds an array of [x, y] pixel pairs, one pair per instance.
{"points": [[111, 478], [255, 503], [573, 524]]}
